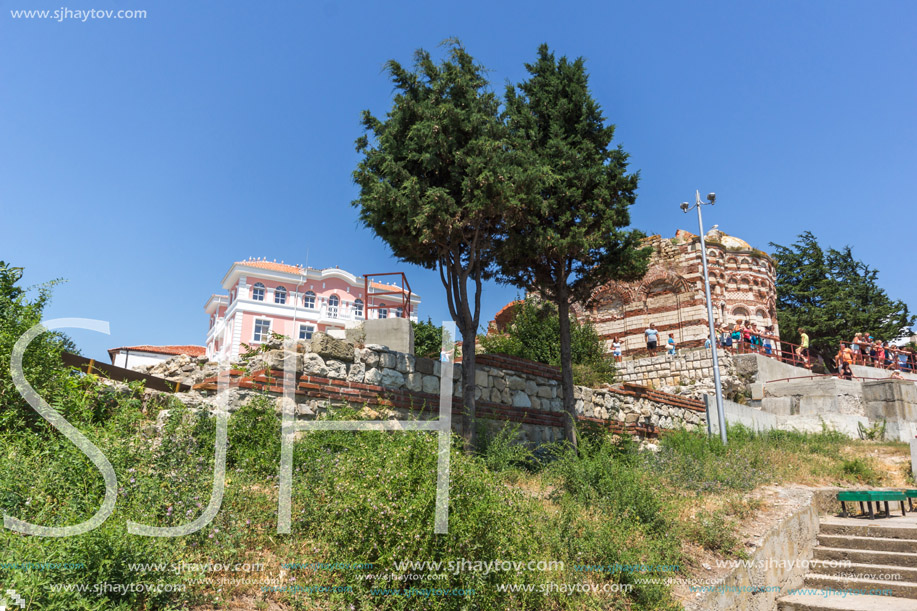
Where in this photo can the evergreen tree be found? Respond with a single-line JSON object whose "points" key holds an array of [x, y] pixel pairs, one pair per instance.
{"points": [[571, 236], [436, 184], [832, 296]]}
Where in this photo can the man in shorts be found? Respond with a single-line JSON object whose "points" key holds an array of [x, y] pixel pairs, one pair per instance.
{"points": [[652, 336]]}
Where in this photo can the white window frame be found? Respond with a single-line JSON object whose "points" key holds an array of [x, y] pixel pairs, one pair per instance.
{"points": [[334, 303], [382, 311], [358, 308], [280, 295], [308, 297], [267, 335], [306, 329], [256, 295]]}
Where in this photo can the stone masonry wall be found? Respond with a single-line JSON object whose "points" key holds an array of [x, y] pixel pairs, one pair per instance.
{"points": [[395, 385]]}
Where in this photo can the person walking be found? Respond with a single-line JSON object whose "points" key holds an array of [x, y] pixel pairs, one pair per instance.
{"points": [[803, 350]]}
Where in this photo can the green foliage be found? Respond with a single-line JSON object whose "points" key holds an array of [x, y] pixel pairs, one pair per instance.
{"points": [[570, 236], [428, 339], [41, 361], [873, 432], [534, 334], [437, 182], [832, 296]]}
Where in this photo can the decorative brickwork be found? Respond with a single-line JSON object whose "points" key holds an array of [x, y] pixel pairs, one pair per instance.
{"points": [[671, 295]]}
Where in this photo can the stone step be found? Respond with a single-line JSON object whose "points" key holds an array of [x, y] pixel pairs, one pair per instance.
{"points": [[879, 544], [868, 530], [803, 601], [879, 572], [860, 556], [859, 587]]}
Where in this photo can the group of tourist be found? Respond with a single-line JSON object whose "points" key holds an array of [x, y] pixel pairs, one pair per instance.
{"points": [[867, 350], [745, 336]]}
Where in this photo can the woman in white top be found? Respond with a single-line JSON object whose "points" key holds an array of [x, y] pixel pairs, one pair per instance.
{"points": [[616, 349]]}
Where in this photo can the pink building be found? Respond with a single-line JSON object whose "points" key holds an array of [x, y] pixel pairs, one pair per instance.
{"points": [[267, 297]]}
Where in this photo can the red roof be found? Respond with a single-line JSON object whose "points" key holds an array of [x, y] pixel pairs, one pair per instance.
{"points": [[273, 266], [174, 350]]}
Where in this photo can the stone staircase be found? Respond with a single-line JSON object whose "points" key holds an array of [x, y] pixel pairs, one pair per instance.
{"points": [[881, 574]]}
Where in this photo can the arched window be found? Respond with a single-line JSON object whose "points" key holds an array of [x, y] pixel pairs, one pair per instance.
{"points": [[280, 295], [258, 292], [399, 313], [732, 261], [761, 315], [333, 303], [358, 308], [308, 300], [740, 313], [383, 311], [746, 262]]}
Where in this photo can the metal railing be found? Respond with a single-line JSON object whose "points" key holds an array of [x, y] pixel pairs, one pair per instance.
{"points": [[404, 296]]}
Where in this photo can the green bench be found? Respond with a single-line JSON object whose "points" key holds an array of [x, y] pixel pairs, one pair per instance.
{"points": [[872, 496], [911, 495]]}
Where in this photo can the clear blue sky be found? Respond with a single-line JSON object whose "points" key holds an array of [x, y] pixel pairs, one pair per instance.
{"points": [[133, 149]]}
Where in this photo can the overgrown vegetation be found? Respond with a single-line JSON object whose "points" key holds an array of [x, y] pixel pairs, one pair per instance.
{"points": [[534, 334], [368, 497]]}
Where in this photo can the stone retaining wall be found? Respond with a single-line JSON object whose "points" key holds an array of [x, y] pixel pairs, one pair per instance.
{"points": [[395, 384]]}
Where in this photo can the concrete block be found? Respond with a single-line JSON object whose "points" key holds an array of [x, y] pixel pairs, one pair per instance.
{"points": [[757, 391], [814, 405], [782, 406], [396, 333]]}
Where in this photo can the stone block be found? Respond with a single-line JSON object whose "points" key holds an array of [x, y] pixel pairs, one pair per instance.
{"points": [[423, 365], [356, 372], [515, 383], [326, 346], [368, 357], [373, 376], [430, 384], [388, 360], [414, 381], [313, 364], [392, 378], [336, 370], [481, 378], [396, 333], [531, 388], [520, 399]]}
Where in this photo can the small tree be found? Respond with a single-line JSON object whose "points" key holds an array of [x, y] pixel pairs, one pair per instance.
{"points": [[41, 362], [436, 184], [832, 296], [428, 339], [571, 237], [534, 334]]}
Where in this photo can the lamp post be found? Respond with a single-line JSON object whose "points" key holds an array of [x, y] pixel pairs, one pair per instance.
{"points": [[685, 207]]}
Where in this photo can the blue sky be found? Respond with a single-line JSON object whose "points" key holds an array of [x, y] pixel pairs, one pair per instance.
{"points": [[133, 149]]}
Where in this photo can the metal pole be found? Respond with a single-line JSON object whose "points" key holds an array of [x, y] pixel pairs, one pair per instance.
{"points": [[721, 416]]}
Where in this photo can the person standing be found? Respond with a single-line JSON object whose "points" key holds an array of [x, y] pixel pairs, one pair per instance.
{"points": [[616, 350], [671, 343], [652, 336]]}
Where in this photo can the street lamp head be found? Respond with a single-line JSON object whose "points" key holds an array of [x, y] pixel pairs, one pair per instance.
{"points": [[685, 207], [711, 197]]}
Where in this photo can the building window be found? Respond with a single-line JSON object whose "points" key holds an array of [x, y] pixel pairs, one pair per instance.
{"points": [[306, 331], [280, 295], [383, 311], [333, 303], [262, 330], [358, 308], [399, 313], [258, 292], [308, 300]]}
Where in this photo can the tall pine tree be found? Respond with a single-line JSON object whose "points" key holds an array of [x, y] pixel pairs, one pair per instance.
{"points": [[571, 235], [832, 296]]}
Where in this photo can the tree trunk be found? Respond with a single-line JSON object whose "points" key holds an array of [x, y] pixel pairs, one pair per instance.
{"points": [[468, 390], [566, 370]]}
